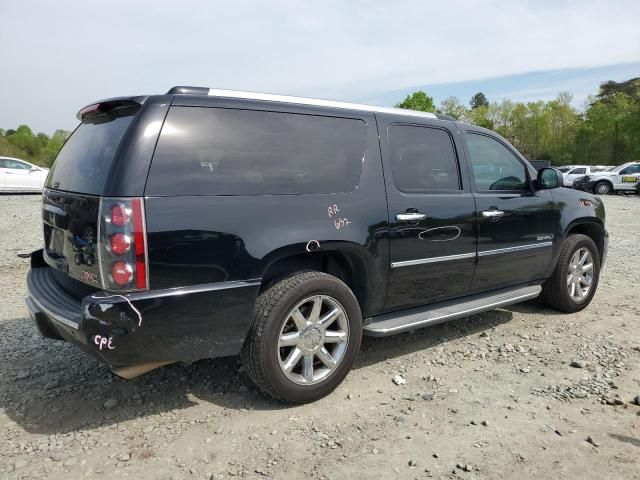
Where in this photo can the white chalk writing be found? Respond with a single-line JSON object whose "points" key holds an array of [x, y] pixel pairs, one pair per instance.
{"points": [[104, 342], [341, 223]]}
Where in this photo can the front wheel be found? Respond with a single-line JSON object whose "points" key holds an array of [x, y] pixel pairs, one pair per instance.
{"points": [[603, 188], [304, 338], [575, 279]]}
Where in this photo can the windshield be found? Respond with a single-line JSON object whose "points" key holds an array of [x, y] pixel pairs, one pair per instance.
{"points": [[85, 159]]}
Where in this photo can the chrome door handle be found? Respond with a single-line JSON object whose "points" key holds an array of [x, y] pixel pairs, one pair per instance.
{"points": [[492, 213], [410, 217]]}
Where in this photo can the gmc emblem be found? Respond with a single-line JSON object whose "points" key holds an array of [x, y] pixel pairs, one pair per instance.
{"points": [[89, 277]]}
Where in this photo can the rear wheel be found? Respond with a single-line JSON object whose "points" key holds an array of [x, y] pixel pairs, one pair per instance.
{"points": [[603, 188], [575, 279], [305, 335]]}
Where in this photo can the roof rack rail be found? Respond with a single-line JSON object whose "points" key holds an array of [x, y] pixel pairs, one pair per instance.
{"points": [[214, 92]]}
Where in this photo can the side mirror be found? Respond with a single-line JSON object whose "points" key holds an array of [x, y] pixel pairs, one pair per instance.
{"points": [[33, 169], [549, 178]]}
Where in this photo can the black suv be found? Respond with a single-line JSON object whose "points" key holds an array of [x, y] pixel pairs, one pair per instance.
{"points": [[205, 223]]}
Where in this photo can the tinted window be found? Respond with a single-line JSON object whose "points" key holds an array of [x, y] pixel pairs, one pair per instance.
{"points": [[84, 161], [578, 171], [215, 151], [494, 166], [631, 169], [423, 159], [15, 164]]}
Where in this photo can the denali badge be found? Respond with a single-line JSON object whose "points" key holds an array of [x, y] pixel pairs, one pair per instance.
{"points": [[89, 277], [544, 237]]}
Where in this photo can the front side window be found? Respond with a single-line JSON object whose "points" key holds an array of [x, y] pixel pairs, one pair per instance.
{"points": [[578, 171], [15, 164], [494, 166], [219, 151], [423, 159], [630, 170]]}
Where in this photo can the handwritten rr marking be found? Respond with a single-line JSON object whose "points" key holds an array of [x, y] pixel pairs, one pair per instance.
{"points": [[332, 210], [104, 342]]}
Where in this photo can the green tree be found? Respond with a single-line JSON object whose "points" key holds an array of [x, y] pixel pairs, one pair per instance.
{"points": [[418, 101], [451, 106], [479, 100]]}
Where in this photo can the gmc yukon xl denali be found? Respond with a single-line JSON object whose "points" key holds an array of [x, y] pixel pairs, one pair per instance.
{"points": [[205, 223]]}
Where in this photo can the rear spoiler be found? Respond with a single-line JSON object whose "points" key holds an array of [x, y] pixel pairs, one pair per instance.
{"points": [[104, 106]]}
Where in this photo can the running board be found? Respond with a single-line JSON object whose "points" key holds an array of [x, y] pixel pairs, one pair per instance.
{"points": [[397, 322]]}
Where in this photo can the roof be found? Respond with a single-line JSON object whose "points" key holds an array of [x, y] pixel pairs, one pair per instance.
{"points": [[215, 92]]}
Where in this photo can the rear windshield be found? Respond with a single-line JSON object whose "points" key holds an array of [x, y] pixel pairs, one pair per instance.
{"points": [[83, 162], [217, 151]]}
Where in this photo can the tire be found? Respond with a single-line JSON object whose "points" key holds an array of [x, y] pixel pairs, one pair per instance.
{"points": [[603, 188], [274, 322], [556, 291]]}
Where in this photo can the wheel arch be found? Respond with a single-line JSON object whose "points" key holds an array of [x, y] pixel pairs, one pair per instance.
{"points": [[350, 263], [592, 228]]}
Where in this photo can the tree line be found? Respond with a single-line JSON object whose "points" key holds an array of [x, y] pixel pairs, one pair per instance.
{"points": [[38, 149], [607, 132]]}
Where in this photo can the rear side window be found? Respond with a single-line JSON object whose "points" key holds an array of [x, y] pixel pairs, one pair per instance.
{"points": [[216, 151], [423, 159], [85, 159]]}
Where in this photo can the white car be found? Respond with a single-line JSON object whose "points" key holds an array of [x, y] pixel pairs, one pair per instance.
{"points": [[18, 176], [573, 172], [619, 179]]}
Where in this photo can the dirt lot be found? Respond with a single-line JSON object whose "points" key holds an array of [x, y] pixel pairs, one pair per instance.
{"points": [[491, 396]]}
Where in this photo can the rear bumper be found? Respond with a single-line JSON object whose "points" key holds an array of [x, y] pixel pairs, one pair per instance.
{"points": [[173, 325]]}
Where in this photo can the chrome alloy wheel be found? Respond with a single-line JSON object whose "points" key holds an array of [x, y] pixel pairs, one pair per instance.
{"points": [[580, 276], [313, 340]]}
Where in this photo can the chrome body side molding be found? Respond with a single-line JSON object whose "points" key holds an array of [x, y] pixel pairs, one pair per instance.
{"points": [[518, 248], [461, 256], [421, 261]]}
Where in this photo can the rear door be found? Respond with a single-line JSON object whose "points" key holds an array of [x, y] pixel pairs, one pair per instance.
{"points": [[431, 213], [517, 226]]}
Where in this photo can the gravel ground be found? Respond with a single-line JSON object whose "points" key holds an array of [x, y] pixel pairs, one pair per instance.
{"points": [[523, 392]]}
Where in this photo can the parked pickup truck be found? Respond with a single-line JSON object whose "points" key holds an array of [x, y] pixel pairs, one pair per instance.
{"points": [[619, 179], [203, 223], [572, 174]]}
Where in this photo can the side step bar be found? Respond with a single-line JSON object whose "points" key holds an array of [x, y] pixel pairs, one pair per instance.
{"points": [[397, 322]]}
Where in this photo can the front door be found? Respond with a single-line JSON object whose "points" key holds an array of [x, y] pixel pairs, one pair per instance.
{"points": [[431, 214], [517, 225], [627, 178]]}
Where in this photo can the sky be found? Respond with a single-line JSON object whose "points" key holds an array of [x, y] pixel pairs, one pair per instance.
{"points": [[59, 56]]}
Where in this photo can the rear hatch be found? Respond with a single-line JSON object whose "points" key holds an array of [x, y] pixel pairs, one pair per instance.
{"points": [[71, 199]]}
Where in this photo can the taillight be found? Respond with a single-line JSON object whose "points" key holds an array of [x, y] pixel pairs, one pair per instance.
{"points": [[122, 273], [123, 248], [120, 215], [120, 243]]}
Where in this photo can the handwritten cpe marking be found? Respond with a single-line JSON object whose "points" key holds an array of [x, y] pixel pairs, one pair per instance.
{"points": [[104, 342]]}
